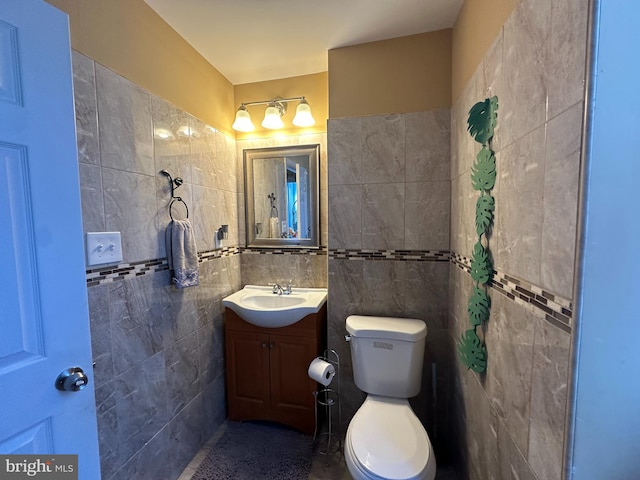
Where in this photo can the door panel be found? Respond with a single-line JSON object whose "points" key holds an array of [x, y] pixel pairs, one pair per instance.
{"points": [[44, 321]]}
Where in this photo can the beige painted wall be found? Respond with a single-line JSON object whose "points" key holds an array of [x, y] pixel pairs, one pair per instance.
{"points": [[128, 37], [400, 75], [477, 25], [313, 87]]}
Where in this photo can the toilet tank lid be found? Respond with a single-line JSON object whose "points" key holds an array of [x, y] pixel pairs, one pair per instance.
{"points": [[392, 328]]}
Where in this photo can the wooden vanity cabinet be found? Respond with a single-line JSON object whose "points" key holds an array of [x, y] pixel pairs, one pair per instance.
{"points": [[267, 370]]}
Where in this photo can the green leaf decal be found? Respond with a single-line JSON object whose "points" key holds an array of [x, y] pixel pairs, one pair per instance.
{"points": [[481, 269], [482, 120], [479, 305], [472, 352], [483, 173], [484, 213]]}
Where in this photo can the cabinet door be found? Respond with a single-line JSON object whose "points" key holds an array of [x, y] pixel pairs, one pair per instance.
{"points": [[291, 388], [247, 374]]}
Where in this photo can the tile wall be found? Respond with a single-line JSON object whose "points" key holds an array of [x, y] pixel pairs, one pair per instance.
{"points": [[389, 197], [509, 422], [158, 350]]}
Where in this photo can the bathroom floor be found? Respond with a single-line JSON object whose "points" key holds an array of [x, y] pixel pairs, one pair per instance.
{"points": [[323, 467]]}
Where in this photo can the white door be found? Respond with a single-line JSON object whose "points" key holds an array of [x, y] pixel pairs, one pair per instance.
{"points": [[44, 326]]}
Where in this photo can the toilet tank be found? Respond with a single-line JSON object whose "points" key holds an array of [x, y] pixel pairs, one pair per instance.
{"points": [[387, 354]]}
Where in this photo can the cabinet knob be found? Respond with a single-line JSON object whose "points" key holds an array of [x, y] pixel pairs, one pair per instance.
{"points": [[272, 345], [264, 344]]}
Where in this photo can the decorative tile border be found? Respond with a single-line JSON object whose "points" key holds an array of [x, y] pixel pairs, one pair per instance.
{"points": [[553, 308], [402, 255], [113, 273], [283, 251]]}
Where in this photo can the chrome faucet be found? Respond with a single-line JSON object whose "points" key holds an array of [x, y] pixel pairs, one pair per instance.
{"points": [[279, 290]]}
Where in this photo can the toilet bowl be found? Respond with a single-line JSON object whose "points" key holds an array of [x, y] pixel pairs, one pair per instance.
{"points": [[385, 439]]}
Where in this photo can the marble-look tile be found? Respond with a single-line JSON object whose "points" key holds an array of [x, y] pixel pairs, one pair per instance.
{"points": [[457, 238], [426, 215], [561, 179], [152, 461], [481, 430], [214, 407], [566, 56], [136, 330], [186, 434], [203, 155], [383, 216], [84, 94], [141, 403], [512, 462], [345, 151], [312, 271], [346, 297], [183, 375], [490, 83], [107, 419], [383, 149], [509, 340], [260, 269], [549, 387], [225, 163], [91, 198], [524, 97], [428, 156], [211, 351], [207, 215], [518, 196], [171, 140], [125, 125], [463, 147], [130, 208], [426, 292], [384, 288], [229, 216], [101, 342], [345, 214]]}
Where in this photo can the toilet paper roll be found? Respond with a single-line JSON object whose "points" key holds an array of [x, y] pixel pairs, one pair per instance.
{"points": [[321, 371]]}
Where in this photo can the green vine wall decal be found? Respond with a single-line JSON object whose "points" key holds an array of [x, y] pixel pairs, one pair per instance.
{"points": [[481, 123]]}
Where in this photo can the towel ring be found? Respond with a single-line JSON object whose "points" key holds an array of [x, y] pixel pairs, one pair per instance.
{"points": [[174, 200], [175, 183]]}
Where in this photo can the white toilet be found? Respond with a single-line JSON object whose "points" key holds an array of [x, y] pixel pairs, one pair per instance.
{"points": [[385, 440]]}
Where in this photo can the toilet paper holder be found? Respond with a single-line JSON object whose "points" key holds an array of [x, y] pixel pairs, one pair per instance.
{"points": [[327, 400]]}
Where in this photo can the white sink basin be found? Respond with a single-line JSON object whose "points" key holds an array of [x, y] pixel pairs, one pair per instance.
{"points": [[259, 306]]}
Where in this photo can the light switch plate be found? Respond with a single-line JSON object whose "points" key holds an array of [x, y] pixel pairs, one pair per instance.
{"points": [[103, 247]]}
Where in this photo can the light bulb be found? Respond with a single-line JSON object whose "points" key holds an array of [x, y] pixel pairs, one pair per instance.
{"points": [[303, 116], [243, 120]]}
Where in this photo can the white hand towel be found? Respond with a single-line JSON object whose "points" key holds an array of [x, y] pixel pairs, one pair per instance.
{"points": [[182, 254], [274, 227]]}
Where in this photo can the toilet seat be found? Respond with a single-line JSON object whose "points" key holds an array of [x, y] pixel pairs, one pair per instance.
{"points": [[385, 440]]}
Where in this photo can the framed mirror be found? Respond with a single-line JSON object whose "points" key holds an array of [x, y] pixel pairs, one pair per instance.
{"points": [[282, 196]]}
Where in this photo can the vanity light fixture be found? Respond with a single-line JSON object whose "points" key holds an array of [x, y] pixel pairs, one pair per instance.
{"points": [[276, 108]]}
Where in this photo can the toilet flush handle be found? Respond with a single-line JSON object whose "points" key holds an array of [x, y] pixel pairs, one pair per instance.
{"points": [[347, 338]]}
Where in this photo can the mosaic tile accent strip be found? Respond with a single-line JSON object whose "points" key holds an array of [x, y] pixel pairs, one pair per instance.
{"points": [[113, 273], [553, 308], [402, 255], [283, 251]]}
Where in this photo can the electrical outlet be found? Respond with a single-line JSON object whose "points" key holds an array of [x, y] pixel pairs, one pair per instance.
{"points": [[103, 247]]}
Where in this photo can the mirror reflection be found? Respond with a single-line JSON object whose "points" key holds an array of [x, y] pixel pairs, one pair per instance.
{"points": [[281, 193]]}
